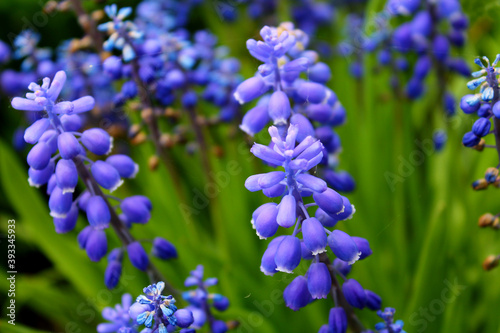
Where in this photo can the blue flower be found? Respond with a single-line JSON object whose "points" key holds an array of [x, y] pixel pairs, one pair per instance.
{"points": [[201, 301], [44, 97], [296, 294], [302, 139], [118, 318], [388, 325], [57, 159], [484, 103], [160, 309], [121, 32]]}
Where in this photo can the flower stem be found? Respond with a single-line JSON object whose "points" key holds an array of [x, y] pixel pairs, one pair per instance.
{"points": [[120, 229], [88, 24], [200, 138], [155, 131], [493, 81], [354, 323]]}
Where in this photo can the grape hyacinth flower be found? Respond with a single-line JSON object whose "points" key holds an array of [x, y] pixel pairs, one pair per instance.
{"points": [[485, 104], [172, 70], [157, 312], [431, 30], [121, 32], [26, 48], [434, 28], [4, 52], [118, 318], [307, 103], [389, 325], [60, 158], [297, 148], [201, 301]]}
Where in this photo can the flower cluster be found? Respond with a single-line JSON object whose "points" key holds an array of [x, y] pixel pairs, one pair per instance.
{"points": [[388, 325], [171, 69], [59, 158], [157, 312], [156, 59], [26, 48], [485, 104], [431, 32], [201, 301], [160, 314], [316, 108], [118, 318], [353, 44], [153, 310], [121, 32], [297, 147]]}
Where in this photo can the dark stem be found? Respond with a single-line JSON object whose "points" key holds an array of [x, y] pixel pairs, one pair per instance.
{"points": [[440, 69], [200, 138], [492, 80], [87, 24], [354, 323], [154, 130], [120, 229], [210, 317]]}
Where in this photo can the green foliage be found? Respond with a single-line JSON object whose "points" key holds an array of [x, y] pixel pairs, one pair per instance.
{"points": [[422, 230]]}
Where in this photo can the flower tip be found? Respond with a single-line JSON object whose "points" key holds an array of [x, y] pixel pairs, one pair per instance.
{"points": [[284, 270], [68, 190], [356, 258], [58, 215], [316, 252], [238, 97], [33, 184], [266, 272], [118, 184]]}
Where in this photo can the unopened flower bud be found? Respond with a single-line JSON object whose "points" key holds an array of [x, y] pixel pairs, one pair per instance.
{"points": [[491, 175], [490, 262], [486, 220], [153, 162], [480, 184]]}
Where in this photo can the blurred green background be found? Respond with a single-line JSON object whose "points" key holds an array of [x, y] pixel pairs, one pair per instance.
{"points": [[423, 231]]}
